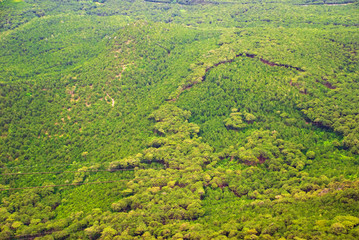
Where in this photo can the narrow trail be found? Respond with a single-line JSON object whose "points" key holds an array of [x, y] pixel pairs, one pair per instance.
{"points": [[272, 64], [194, 2], [267, 62], [324, 4], [112, 100], [119, 76], [62, 172]]}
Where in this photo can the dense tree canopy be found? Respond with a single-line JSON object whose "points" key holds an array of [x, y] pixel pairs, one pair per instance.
{"points": [[156, 119]]}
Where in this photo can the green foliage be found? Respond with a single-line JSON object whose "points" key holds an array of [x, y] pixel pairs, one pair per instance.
{"points": [[266, 147], [235, 121], [179, 119]]}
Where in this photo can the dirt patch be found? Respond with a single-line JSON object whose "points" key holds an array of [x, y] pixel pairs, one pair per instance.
{"points": [[329, 85], [261, 160], [326, 83]]}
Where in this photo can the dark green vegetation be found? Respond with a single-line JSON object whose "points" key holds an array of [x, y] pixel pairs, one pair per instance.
{"points": [[179, 119]]}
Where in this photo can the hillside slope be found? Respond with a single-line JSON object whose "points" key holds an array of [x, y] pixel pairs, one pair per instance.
{"points": [[179, 120]]}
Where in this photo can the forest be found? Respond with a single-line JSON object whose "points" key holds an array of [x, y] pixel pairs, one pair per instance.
{"points": [[179, 119]]}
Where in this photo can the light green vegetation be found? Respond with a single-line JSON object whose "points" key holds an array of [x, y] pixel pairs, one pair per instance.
{"points": [[179, 119]]}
